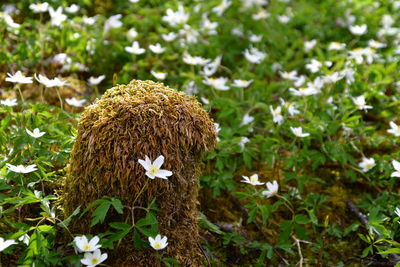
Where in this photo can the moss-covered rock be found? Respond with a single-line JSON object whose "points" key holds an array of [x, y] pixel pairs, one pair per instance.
{"points": [[127, 123]]}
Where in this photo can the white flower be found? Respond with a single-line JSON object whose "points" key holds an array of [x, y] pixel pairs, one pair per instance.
{"points": [[304, 91], [272, 189], [159, 75], [194, 60], [299, 81], [174, 18], [387, 21], [241, 83], [6, 243], [210, 68], [134, 1], [57, 17], [314, 66], [309, 45], [376, 44], [96, 80], [135, 49], [289, 106], [396, 166], [359, 101], [217, 83], [21, 168], [253, 180], [397, 211], [48, 82], [158, 243], [157, 49], [169, 37], [276, 114], [220, 9], [336, 46], [358, 29], [18, 77], [261, 14], [153, 169], [93, 259], [255, 38], [254, 55], [72, 8], [132, 34], [395, 129], [292, 75], [298, 131], [84, 245], [113, 22], [75, 102], [89, 20], [10, 22], [9, 102], [39, 7], [244, 140], [36, 133], [283, 19], [366, 164], [247, 119]]}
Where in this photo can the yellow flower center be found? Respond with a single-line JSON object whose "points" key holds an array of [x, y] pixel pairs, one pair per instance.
{"points": [[94, 261], [157, 245], [253, 179], [153, 169], [87, 247]]}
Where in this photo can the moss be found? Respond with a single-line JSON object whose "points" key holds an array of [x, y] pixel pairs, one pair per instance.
{"points": [[127, 123]]}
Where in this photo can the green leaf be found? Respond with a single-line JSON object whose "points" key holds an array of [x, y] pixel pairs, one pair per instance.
{"points": [[99, 214], [66, 222]]}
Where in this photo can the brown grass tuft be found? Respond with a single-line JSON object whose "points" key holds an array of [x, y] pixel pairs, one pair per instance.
{"points": [[127, 123]]}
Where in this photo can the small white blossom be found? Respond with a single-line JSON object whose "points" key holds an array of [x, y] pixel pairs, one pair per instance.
{"points": [[10, 22], [21, 168], [96, 80], [396, 166], [9, 102], [75, 102], [304, 91], [395, 129], [132, 34], [358, 29], [241, 83], [298, 131], [174, 18], [36, 133], [359, 101], [158, 242], [6, 243], [159, 75], [220, 9], [153, 169], [253, 180], [366, 164], [39, 7], [247, 119], [113, 22], [314, 66], [57, 17], [169, 37], [135, 49], [217, 83], [309, 45], [254, 55], [93, 259], [84, 245], [72, 8], [157, 49], [336, 46], [276, 114], [194, 60], [18, 77], [272, 189]]}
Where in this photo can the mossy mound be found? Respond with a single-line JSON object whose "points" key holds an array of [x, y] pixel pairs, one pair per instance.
{"points": [[127, 123]]}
